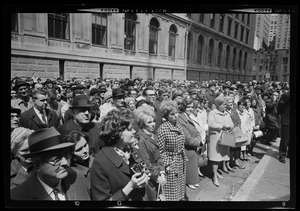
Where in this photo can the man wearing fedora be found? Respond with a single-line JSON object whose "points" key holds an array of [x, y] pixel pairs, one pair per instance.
{"points": [[52, 178], [39, 116], [81, 121], [23, 101]]}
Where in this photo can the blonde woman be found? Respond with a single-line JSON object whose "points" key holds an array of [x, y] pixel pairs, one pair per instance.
{"points": [[149, 148]]}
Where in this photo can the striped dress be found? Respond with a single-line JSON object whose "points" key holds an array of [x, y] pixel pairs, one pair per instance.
{"points": [[171, 145]]}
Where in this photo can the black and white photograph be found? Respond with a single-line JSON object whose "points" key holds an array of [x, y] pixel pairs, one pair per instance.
{"points": [[150, 106]]}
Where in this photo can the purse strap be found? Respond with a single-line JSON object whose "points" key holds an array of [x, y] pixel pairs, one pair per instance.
{"points": [[160, 188]]}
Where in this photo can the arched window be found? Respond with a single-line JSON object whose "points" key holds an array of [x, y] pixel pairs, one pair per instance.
{"points": [[245, 61], [200, 49], [153, 35], [189, 47], [210, 52], [220, 49], [227, 56], [172, 40], [129, 31], [240, 60], [234, 58]]}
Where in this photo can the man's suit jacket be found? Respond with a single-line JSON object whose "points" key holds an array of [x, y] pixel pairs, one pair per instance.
{"points": [[29, 119], [32, 189]]}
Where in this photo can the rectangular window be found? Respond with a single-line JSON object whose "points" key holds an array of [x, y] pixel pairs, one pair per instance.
{"points": [[285, 69], [229, 26], [247, 36], [212, 20], [243, 18], [221, 22], [99, 28], [14, 22], [242, 34], [201, 17], [285, 60], [58, 25], [248, 20], [260, 68], [236, 30]]}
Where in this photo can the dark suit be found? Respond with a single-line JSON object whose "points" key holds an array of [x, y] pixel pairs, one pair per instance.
{"points": [[109, 175], [32, 189], [284, 112], [29, 119], [192, 141]]}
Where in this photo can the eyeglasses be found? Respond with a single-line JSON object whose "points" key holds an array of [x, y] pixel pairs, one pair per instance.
{"points": [[55, 161]]}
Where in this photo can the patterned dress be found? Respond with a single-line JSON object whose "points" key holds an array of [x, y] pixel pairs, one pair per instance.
{"points": [[171, 144]]}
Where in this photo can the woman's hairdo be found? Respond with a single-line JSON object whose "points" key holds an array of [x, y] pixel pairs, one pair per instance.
{"points": [[220, 100], [167, 106], [113, 124], [142, 113]]}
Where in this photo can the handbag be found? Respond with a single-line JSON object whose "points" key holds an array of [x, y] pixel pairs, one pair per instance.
{"points": [[233, 138], [202, 160], [160, 194]]}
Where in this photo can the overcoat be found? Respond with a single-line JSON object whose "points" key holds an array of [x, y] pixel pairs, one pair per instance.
{"points": [[29, 119], [217, 119], [192, 141], [109, 174], [171, 145], [32, 189]]}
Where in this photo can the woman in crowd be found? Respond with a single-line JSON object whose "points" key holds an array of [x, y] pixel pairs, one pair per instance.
{"points": [[81, 160], [244, 117], [218, 120], [148, 147], [111, 176], [251, 124], [171, 140], [192, 141], [259, 124], [130, 103], [199, 123]]}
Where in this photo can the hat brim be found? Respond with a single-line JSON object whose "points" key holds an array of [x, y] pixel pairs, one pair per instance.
{"points": [[16, 87], [82, 106], [59, 146], [15, 110]]}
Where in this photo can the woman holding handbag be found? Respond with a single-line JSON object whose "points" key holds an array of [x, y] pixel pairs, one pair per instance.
{"points": [[218, 120]]}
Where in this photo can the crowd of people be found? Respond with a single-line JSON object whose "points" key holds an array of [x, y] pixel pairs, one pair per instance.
{"points": [[110, 140]]}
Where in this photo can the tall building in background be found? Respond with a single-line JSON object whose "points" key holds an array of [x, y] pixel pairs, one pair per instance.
{"points": [[262, 30], [273, 27], [282, 40], [220, 46]]}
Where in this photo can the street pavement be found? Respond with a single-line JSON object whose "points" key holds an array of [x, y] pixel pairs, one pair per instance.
{"points": [[264, 180]]}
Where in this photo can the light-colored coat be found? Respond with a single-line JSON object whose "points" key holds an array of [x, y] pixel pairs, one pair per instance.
{"points": [[216, 120]]}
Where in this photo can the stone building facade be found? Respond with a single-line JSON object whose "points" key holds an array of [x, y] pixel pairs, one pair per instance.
{"points": [[220, 46], [127, 45]]}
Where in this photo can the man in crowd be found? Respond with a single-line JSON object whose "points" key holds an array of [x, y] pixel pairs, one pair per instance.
{"points": [[52, 178], [39, 116], [23, 101], [284, 112], [81, 121], [14, 118]]}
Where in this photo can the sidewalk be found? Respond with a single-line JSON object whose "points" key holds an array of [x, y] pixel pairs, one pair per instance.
{"points": [[269, 181]]}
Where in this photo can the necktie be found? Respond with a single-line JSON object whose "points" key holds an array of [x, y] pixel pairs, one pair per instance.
{"points": [[55, 191]]}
